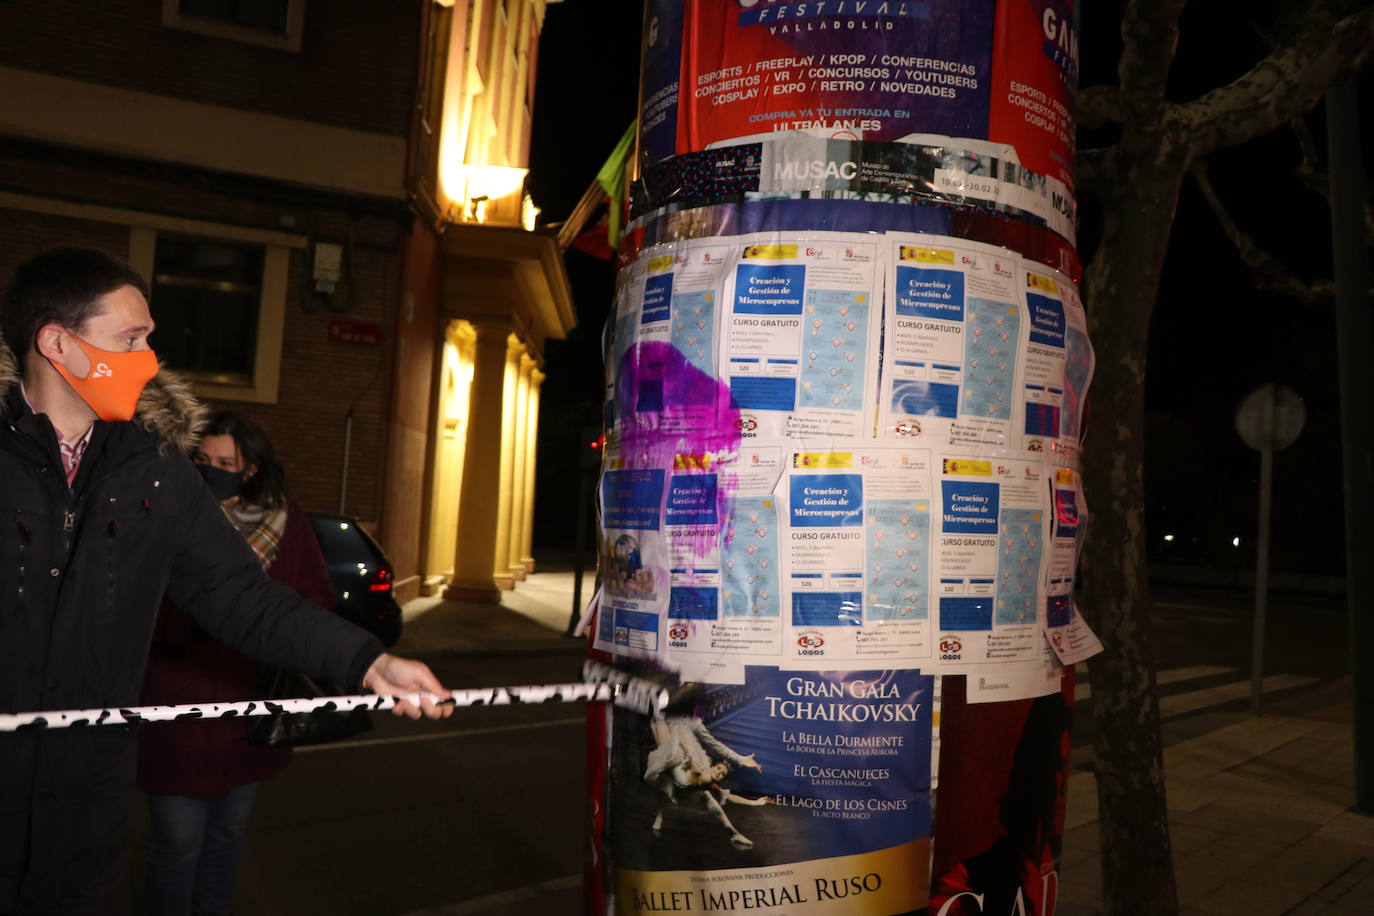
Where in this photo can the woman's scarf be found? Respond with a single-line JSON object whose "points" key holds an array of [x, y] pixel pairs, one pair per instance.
{"points": [[261, 528]]}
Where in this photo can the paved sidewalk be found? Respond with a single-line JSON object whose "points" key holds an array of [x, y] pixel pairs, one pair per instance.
{"points": [[1259, 819], [1259, 807], [531, 619]]}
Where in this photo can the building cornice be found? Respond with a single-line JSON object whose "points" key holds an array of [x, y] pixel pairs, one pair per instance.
{"points": [[490, 268]]}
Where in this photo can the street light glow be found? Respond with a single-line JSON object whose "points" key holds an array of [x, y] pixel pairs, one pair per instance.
{"points": [[1168, 537], [1235, 542]]}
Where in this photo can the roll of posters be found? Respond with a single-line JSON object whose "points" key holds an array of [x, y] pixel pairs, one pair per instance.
{"points": [[826, 449], [840, 496]]}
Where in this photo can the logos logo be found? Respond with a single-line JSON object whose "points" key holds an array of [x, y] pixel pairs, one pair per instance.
{"points": [[925, 255], [823, 459], [102, 370], [950, 646], [747, 424], [677, 631], [908, 429], [810, 640], [969, 467], [770, 252]]}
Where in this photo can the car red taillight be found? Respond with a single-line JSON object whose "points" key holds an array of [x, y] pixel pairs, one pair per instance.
{"points": [[383, 582]]}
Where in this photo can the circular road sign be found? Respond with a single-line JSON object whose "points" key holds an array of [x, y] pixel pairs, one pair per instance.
{"points": [[1264, 426]]}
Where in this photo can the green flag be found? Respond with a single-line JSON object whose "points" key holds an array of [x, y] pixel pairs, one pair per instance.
{"points": [[612, 181]]}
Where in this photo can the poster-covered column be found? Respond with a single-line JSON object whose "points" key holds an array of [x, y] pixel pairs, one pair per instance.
{"points": [[840, 501]]}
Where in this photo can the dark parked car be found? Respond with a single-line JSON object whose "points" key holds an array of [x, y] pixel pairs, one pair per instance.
{"points": [[361, 575]]}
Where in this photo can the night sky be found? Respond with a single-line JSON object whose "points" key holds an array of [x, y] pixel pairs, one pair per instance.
{"points": [[1214, 338]]}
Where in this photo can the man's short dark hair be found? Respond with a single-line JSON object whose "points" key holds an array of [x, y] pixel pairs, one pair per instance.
{"points": [[60, 286]]}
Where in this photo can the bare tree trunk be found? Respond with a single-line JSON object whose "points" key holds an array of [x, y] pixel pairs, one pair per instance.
{"points": [[1138, 178], [1119, 290]]}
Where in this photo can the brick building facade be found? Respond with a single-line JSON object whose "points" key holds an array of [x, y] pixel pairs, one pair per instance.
{"points": [[278, 179]]}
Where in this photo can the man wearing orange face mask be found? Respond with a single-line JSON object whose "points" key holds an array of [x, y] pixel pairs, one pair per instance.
{"points": [[101, 513]]}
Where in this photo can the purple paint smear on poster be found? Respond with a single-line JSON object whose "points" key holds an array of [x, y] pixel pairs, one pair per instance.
{"points": [[676, 417]]}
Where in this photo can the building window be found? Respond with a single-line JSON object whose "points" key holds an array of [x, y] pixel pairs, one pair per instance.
{"points": [[220, 308], [430, 102], [271, 23], [205, 299], [267, 15]]}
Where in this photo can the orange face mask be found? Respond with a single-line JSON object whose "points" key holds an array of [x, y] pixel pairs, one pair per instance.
{"points": [[114, 382]]}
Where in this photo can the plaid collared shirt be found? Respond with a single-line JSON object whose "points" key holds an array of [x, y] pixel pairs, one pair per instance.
{"points": [[71, 453]]}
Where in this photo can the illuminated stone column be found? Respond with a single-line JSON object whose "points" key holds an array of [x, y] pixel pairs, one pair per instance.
{"points": [[506, 485], [480, 549], [520, 470], [531, 450]]}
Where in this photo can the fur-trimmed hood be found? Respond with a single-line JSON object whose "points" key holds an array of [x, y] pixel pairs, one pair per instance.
{"points": [[167, 409]]}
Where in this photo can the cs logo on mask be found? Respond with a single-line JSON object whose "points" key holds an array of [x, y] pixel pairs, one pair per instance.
{"points": [[103, 371]]}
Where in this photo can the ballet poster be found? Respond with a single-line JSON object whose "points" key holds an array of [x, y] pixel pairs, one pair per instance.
{"points": [[796, 792]]}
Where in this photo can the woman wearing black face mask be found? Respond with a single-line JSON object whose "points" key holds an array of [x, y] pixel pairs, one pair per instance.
{"points": [[201, 776]]}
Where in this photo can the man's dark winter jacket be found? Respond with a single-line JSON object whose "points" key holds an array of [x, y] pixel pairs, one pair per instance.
{"points": [[82, 571]]}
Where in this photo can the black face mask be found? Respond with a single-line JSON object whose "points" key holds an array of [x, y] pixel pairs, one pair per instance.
{"points": [[223, 484]]}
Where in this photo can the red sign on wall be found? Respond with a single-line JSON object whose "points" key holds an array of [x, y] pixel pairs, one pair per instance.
{"points": [[355, 332]]}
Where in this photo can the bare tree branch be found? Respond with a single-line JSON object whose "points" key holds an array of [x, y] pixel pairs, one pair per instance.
{"points": [[1270, 274], [1098, 106], [1310, 172], [1149, 32], [1281, 87]]}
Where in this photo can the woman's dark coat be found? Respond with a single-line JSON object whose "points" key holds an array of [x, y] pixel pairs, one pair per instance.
{"points": [[187, 665], [82, 571]]}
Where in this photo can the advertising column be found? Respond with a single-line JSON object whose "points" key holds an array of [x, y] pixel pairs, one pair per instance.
{"points": [[840, 499]]}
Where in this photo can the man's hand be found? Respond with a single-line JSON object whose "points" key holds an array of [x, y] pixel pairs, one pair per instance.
{"points": [[751, 763], [391, 675]]}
